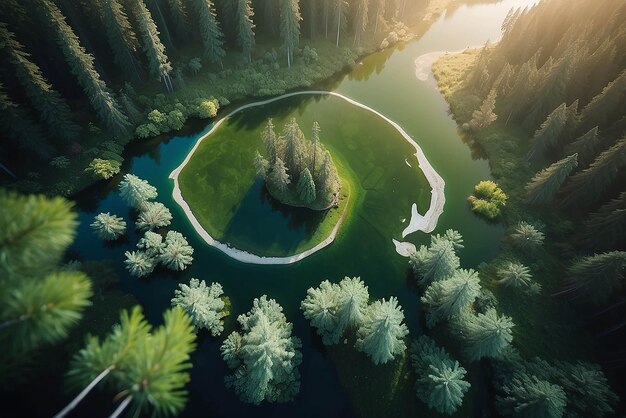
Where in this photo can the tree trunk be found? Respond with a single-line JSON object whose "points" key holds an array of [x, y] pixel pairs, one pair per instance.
{"points": [[84, 393], [118, 411]]}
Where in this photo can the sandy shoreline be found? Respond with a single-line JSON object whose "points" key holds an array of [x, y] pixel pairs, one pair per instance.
{"points": [[425, 223]]}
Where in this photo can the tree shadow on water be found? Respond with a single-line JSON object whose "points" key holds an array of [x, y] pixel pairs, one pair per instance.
{"points": [[261, 223]]}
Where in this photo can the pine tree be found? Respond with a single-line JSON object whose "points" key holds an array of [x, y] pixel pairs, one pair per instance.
{"points": [[548, 135], [108, 227], [599, 111], [586, 146], [204, 304], [597, 277], [606, 228], [136, 192], [381, 334], [81, 65], [210, 32], [550, 91], [340, 9], [139, 263], [148, 368], [39, 303], [178, 11], [52, 109], [484, 335], [151, 243], [26, 134], [587, 389], [320, 308], [176, 253], [158, 62], [352, 301], [587, 186], [546, 183], [447, 298], [290, 27], [306, 187], [153, 215], [530, 397], [484, 116], [379, 15], [516, 275], [295, 152], [121, 37], [440, 383], [360, 20], [279, 178], [435, 262], [261, 164], [525, 235], [327, 179], [245, 28], [265, 357]]}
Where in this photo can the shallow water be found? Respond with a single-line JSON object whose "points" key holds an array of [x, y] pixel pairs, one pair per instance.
{"points": [[387, 82]]}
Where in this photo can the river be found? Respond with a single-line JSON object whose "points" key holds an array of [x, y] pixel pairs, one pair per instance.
{"points": [[387, 82]]}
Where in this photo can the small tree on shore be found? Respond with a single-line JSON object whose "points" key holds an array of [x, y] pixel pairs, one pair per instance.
{"points": [[306, 187]]}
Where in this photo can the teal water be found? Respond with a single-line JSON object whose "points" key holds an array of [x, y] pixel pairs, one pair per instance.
{"points": [[386, 82]]}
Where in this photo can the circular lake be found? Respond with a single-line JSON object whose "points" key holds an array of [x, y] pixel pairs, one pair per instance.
{"points": [[226, 200]]}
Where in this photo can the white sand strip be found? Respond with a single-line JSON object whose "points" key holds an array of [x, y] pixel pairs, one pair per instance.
{"points": [[426, 223]]}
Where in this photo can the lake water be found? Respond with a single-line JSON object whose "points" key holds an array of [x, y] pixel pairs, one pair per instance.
{"points": [[387, 82]]}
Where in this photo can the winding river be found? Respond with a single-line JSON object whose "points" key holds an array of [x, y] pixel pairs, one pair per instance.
{"points": [[389, 83]]}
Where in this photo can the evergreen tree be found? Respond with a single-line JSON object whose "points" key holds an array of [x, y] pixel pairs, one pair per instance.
{"points": [[586, 146], [245, 28], [440, 383], [295, 152], [436, 262], [52, 109], [528, 396], [278, 177], [320, 308], [139, 263], [606, 228], [152, 244], [306, 187], [352, 299], [136, 192], [153, 215], [290, 27], [158, 62], [81, 65], [484, 116], [550, 91], [176, 253], [546, 183], [484, 335], [148, 369], [108, 227], [204, 304], [587, 389], [597, 277], [25, 132], [381, 334], [121, 37], [39, 303], [178, 11], [379, 15], [265, 357], [210, 32], [587, 186], [600, 110], [517, 275], [327, 177], [340, 9], [526, 235], [360, 20], [548, 135], [447, 298], [261, 164]]}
